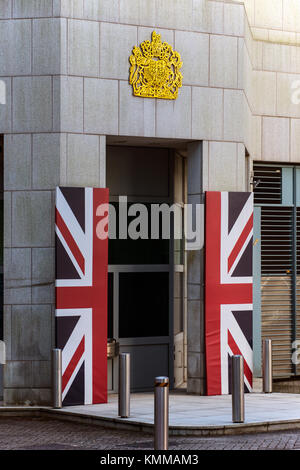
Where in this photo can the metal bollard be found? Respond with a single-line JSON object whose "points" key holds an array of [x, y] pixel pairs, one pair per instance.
{"points": [[124, 385], [161, 413], [267, 366], [57, 378], [238, 406]]}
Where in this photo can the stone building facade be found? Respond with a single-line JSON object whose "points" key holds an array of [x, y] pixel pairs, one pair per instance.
{"points": [[65, 68]]}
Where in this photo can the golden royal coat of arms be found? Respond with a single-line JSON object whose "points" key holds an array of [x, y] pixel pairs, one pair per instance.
{"points": [[154, 71]]}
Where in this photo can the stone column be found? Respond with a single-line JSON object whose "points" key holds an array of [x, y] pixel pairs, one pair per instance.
{"points": [[32, 60], [195, 282], [213, 166]]}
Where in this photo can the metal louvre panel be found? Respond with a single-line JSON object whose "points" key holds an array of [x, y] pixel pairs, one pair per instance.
{"points": [[277, 284], [298, 278], [268, 185]]}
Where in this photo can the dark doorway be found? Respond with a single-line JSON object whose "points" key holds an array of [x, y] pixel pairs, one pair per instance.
{"points": [[141, 270], [1, 250]]}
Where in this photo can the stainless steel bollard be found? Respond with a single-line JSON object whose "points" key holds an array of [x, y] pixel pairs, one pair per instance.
{"points": [[57, 378], [161, 413], [267, 366], [238, 406], [124, 385]]}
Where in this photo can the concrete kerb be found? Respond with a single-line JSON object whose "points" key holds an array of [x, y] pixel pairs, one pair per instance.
{"points": [[148, 428]]}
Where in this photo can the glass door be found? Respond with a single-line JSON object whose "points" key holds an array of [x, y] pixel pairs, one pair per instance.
{"points": [[141, 306]]}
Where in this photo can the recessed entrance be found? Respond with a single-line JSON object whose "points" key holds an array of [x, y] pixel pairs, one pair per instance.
{"points": [[146, 275]]}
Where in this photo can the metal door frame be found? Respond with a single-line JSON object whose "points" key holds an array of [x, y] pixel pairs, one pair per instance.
{"points": [[134, 341]]}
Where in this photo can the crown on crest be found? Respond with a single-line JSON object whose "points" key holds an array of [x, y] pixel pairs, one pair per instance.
{"points": [[154, 71]]}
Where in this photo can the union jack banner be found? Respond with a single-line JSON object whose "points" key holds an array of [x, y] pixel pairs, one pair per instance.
{"points": [[228, 288], [81, 295]]}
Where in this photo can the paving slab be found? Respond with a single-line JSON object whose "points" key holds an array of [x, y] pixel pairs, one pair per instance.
{"points": [[188, 414], [195, 415]]}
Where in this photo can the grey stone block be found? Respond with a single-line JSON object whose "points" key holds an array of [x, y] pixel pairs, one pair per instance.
{"points": [[5, 105], [17, 266], [83, 48], [43, 264], [194, 267], [175, 14], [194, 291], [7, 330], [15, 40], [222, 166], [17, 374], [138, 12], [41, 374], [28, 209], [174, 119], [63, 160], [194, 324], [7, 218], [52, 230], [32, 8], [27, 396], [43, 396], [30, 329], [191, 45], [42, 327], [202, 365], [101, 106], [32, 104], [68, 8], [43, 294], [56, 8], [194, 386], [223, 61], [207, 113], [102, 10], [193, 365], [22, 332], [46, 161], [49, 46], [17, 162], [202, 327], [83, 160], [52, 334], [119, 40], [142, 112], [5, 9], [68, 104], [17, 295]]}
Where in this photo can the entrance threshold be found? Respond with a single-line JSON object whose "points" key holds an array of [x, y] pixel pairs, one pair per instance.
{"points": [[190, 415]]}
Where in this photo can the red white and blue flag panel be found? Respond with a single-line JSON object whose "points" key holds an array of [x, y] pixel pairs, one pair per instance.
{"points": [[228, 288], [81, 295]]}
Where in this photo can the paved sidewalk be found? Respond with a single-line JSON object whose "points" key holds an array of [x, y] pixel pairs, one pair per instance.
{"points": [[49, 434], [191, 414]]}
